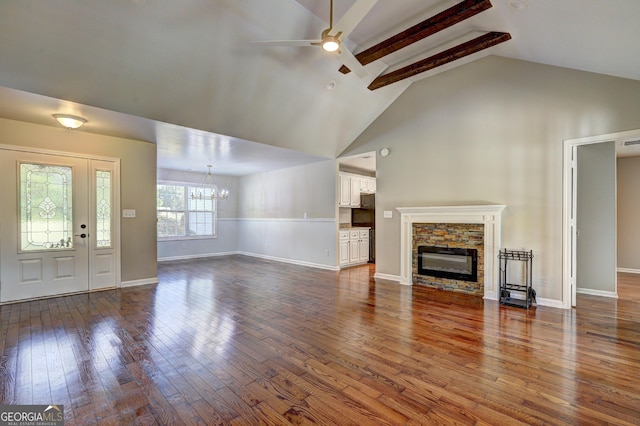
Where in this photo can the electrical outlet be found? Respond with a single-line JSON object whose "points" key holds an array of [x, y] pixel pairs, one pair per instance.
{"points": [[326, 252]]}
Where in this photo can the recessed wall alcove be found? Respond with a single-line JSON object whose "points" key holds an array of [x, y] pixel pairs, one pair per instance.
{"points": [[488, 215]]}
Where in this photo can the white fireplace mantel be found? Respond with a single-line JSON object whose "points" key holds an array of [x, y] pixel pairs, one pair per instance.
{"points": [[489, 215]]}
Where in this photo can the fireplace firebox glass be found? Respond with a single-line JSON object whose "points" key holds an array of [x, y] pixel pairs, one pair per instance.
{"points": [[445, 262]]}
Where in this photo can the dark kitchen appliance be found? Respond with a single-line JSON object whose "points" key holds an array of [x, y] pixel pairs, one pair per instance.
{"points": [[368, 201], [365, 217]]}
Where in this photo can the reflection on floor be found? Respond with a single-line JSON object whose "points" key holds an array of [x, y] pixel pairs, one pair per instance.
{"points": [[239, 340]]}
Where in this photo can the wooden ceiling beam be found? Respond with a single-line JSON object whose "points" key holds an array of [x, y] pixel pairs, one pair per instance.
{"points": [[457, 52], [436, 23]]}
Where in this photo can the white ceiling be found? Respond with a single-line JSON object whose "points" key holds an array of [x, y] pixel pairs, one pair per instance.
{"points": [[184, 73], [365, 162]]}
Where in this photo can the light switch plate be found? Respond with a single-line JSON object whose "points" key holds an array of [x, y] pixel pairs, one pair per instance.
{"points": [[128, 213], [388, 214]]}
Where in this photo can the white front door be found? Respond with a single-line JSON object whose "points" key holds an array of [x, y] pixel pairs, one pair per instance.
{"points": [[56, 225]]}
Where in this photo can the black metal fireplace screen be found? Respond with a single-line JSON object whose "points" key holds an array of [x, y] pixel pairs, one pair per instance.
{"points": [[444, 262]]}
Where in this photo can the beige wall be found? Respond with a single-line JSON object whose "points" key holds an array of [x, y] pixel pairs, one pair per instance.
{"points": [[138, 183], [492, 132], [628, 213], [596, 218]]}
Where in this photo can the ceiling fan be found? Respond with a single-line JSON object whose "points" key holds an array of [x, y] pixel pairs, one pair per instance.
{"points": [[331, 39]]}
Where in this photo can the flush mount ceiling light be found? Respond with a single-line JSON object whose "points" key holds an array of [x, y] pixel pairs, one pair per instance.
{"points": [[69, 121]]}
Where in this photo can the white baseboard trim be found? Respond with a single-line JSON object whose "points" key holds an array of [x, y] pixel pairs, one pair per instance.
{"points": [[629, 271], [551, 303], [600, 293], [291, 261], [135, 283], [389, 277], [196, 256], [540, 301]]}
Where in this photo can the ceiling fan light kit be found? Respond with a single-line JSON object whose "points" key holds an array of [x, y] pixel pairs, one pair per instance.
{"points": [[459, 12], [334, 42], [330, 43]]}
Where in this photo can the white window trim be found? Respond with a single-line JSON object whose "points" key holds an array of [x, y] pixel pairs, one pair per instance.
{"points": [[189, 237]]}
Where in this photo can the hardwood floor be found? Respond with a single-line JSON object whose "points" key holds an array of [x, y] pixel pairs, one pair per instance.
{"points": [[238, 340]]}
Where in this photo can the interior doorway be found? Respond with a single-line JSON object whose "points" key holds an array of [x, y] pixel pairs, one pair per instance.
{"points": [[574, 260], [357, 206]]}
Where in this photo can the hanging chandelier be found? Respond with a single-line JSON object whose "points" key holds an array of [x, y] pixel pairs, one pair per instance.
{"points": [[209, 189]]}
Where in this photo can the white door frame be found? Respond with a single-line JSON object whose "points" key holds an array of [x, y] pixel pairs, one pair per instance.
{"points": [[569, 184], [115, 197]]}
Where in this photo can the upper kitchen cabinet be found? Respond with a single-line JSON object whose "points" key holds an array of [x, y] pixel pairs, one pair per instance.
{"points": [[351, 186], [355, 191], [367, 185], [345, 190]]}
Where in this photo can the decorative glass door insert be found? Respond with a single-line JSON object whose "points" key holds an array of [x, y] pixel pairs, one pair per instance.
{"points": [[103, 208], [46, 213], [60, 231]]}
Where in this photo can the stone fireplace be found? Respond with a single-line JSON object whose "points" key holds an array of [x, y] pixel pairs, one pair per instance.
{"points": [[449, 256], [465, 227]]}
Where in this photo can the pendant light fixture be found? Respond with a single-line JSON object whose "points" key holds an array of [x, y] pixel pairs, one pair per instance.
{"points": [[209, 189]]}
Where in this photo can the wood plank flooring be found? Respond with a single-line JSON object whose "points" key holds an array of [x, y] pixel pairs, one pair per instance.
{"points": [[237, 340]]}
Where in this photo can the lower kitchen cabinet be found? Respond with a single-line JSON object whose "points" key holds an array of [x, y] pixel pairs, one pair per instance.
{"points": [[354, 246], [344, 250]]}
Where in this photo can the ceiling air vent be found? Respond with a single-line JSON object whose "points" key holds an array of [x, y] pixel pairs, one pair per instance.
{"points": [[629, 143]]}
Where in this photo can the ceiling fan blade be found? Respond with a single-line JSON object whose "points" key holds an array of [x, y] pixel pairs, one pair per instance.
{"points": [[353, 16], [292, 43], [352, 63]]}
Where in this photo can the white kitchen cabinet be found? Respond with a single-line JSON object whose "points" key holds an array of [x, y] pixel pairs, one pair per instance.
{"points": [[354, 246], [355, 191], [351, 186], [344, 247], [354, 252], [364, 184], [363, 243], [345, 190], [371, 184], [367, 185]]}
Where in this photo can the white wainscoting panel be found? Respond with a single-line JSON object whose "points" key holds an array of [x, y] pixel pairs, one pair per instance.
{"points": [[309, 242]]}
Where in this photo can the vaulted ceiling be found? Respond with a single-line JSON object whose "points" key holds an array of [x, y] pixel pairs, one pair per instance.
{"points": [[186, 75]]}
